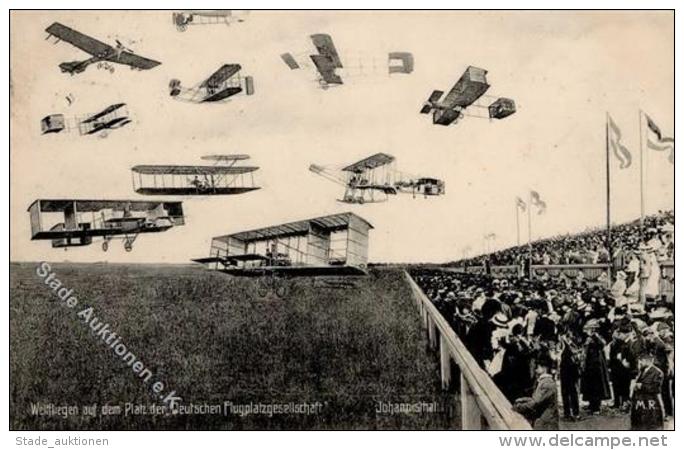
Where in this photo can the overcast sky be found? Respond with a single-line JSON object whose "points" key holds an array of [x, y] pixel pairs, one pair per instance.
{"points": [[565, 70]]}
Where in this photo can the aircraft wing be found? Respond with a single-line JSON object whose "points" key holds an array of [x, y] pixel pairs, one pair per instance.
{"points": [[372, 162], [134, 60], [225, 158], [325, 47], [192, 170], [326, 68], [471, 86], [78, 40], [222, 74], [104, 112], [327, 59]]}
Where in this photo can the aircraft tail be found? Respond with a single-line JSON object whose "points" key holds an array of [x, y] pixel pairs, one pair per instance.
{"points": [[431, 102], [73, 67], [249, 85]]}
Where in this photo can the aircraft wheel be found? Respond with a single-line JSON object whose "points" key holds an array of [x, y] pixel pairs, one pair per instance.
{"points": [[181, 27], [105, 246], [128, 246], [99, 65]]}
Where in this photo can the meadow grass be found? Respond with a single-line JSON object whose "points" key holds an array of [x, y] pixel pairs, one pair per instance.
{"points": [[212, 339]]}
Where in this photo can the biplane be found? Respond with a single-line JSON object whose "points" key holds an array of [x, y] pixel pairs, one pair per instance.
{"points": [[466, 93], [74, 223], [225, 177], [330, 246], [221, 85], [110, 118], [183, 19], [101, 53], [327, 61], [374, 179]]}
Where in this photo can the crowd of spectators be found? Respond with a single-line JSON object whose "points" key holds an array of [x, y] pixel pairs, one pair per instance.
{"points": [[610, 350], [589, 247]]}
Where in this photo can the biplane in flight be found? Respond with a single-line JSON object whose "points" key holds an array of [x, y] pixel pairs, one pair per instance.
{"points": [[374, 179], [327, 61], [101, 53], [466, 93], [221, 85], [225, 177], [74, 223], [329, 246], [183, 19], [110, 118]]}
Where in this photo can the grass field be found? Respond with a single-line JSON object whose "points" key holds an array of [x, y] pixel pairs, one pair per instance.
{"points": [[211, 339]]}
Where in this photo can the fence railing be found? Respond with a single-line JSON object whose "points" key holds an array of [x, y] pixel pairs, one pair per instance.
{"points": [[483, 406]]}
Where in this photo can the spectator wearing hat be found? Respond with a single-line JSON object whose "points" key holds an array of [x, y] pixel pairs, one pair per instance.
{"points": [[649, 274], [617, 291], [479, 340], [656, 347], [620, 367], [595, 384], [542, 408], [570, 362], [515, 378], [647, 408]]}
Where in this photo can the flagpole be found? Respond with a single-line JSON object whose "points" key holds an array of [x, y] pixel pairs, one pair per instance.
{"points": [[517, 220], [609, 243], [529, 224], [641, 171]]}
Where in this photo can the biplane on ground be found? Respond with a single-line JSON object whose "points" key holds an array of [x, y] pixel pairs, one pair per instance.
{"points": [[466, 93], [330, 246], [225, 177], [222, 84], [101, 53], [327, 61], [110, 118], [74, 223], [183, 19], [375, 178]]}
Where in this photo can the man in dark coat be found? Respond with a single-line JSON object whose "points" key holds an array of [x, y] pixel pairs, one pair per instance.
{"points": [[655, 345], [620, 374], [515, 379], [479, 341], [647, 407], [570, 361], [595, 384]]}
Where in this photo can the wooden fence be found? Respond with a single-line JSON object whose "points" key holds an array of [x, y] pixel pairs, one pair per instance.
{"points": [[483, 406]]}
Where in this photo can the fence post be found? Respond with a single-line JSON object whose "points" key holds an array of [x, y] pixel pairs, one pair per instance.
{"points": [[432, 333], [471, 418], [445, 363]]}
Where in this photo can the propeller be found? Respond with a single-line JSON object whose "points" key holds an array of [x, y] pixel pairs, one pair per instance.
{"points": [[120, 47]]}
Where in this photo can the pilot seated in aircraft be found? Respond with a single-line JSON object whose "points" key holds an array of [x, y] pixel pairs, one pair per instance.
{"points": [[202, 185]]}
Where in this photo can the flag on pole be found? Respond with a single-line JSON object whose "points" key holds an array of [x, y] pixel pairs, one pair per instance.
{"points": [[521, 204], [619, 150], [656, 141], [538, 202]]}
